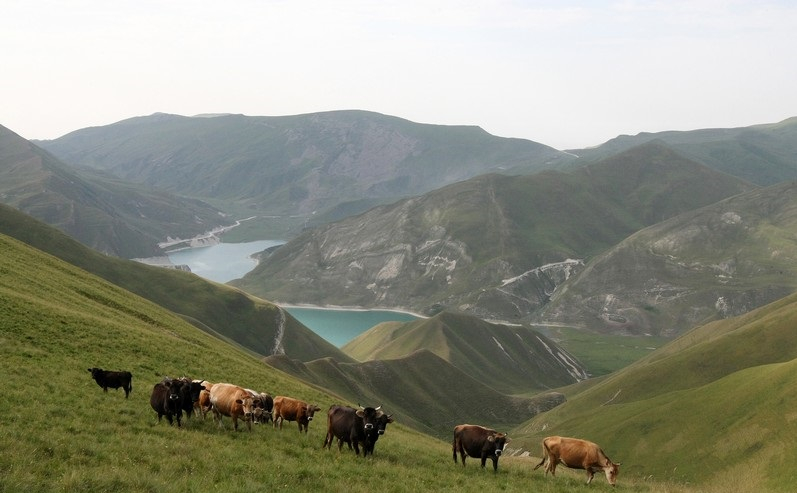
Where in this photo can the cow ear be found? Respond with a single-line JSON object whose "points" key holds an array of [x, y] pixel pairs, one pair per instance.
{"points": [[359, 413], [491, 438]]}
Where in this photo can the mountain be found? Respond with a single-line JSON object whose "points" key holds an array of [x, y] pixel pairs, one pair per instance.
{"points": [[299, 164], [715, 262], [259, 326], [510, 359], [98, 210], [715, 405], [762, 154], [495, 246]]}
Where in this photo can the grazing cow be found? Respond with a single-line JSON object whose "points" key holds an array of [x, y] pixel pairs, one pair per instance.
{"points": [[293, 410], [478, 441], [233, 401], [577, 454], [165, 400], [113, 379], [353, 426]]}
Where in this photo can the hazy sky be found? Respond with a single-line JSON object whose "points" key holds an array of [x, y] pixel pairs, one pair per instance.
{"points": [[564, 73]]}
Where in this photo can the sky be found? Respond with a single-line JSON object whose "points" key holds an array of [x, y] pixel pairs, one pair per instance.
{"points": [[569, 74]]}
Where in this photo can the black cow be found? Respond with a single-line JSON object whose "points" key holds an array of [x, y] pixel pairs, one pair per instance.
{"points": [[478, 441], [189, 394], [166, 400], [113, 379], [381, 426], [354, 427]]}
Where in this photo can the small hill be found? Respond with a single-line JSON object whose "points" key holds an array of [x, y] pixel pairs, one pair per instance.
{"points": [[714, 406], [494, 246], [100, 211], [715, 262], [299, 164], [762, 154], [228, 313], [510, 359], [429, 393]]}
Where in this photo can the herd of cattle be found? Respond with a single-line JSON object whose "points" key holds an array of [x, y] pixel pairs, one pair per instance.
{"points": [[172, 397]]}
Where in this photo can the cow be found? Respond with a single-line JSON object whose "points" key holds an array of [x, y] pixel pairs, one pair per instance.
{"points": [[288, 408], [189, 394], [165, 400], [381, 426], [264, 404], [233, 401], [113, 379], [577, 454], [478, 441], [354, 427]]}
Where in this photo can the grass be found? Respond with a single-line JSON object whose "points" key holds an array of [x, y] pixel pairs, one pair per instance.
{"points": [[603, 354]]}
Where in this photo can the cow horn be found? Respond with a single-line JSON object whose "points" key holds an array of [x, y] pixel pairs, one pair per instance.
{"points": [[378, 408]]}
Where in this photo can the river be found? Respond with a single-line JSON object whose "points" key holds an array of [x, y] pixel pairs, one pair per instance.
{"points": [[224, 262]]}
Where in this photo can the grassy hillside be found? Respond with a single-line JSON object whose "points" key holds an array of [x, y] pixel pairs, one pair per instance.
{"points": [[59, 432], [98, 210], [495, 246], [226, 312], [716, 406], [429, 393], [510, 359], [718, 261]]}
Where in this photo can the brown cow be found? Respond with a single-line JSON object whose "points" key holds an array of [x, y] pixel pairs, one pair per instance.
{"points": [[293, 410], [233, 401], [478, 441], [577, 454]]}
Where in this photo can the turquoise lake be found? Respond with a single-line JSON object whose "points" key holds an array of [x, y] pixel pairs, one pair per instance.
{"points": [[227, 261], [340, 326]]}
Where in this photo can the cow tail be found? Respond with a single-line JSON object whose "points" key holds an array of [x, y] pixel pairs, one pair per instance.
{"points": [[544, 455]]}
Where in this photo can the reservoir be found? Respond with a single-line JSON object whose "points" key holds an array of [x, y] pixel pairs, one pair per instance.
{"points": [[339, 326], [224, 262]]}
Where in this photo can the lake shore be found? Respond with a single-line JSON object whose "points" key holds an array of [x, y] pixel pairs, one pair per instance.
{"points": [[308, 306]]}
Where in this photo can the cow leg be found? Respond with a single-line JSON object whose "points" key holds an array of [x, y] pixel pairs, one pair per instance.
{"points": [[495, 463], [590, 475], [169, 417], [484, 459]]}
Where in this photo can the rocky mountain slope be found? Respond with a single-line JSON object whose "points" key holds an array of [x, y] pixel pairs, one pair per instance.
{"points": [[715, 262], [495, 246]]}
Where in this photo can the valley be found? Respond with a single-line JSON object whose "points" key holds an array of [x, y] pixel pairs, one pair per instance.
{"points": [[641, 296]]}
